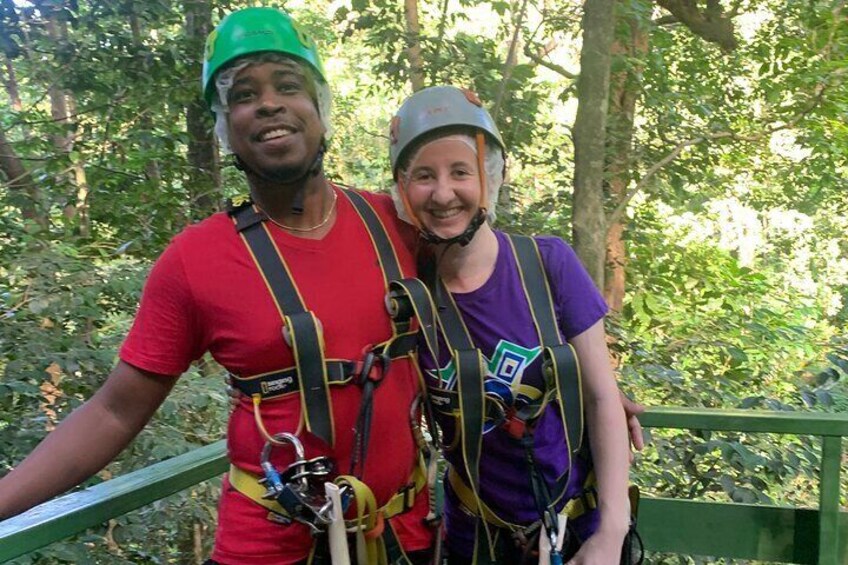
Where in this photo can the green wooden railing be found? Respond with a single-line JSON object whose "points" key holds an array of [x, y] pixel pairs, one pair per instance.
{"points": [[743, 531]]}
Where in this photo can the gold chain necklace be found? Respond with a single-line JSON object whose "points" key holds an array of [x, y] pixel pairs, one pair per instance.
{"points": [[319, 225]]}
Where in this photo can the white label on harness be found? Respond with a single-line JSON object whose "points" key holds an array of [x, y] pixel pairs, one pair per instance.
{"points": [[269, 387]]}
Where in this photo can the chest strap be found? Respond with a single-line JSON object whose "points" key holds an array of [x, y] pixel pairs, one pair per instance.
{"points": [[274, 384], [301, 328]]}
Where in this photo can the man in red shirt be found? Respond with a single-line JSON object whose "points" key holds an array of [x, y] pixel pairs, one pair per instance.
{"points": [[300, 352]]}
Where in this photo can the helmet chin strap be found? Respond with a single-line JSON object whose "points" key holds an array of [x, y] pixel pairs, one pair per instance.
{"points": [[462, 239], [311, 171]]}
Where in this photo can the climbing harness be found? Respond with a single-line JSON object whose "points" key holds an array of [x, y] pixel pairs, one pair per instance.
{"points": [[476, 409], [299, 493], [313, 373]]}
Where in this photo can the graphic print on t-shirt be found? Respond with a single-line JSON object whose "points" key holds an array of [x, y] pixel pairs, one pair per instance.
{"points": [[504, 371]]}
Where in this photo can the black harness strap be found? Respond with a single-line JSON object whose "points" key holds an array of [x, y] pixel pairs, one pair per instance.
{"points": [[469, 401], [275, 272], [470, 372], [409, 298], [302, 326], [279, 383], [302, 330], [453, 328], [469, 382], [536, 288], [307, 345], [382, 244], [561, 368]]}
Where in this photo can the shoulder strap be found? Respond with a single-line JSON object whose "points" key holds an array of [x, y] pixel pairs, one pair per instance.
{"points": [[561, 368], [450, 321], [301, 330], [383, 247], [535, 283], [474, 404], [379, 238]]}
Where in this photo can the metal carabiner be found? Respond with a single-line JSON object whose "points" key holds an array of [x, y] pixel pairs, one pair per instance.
{"points": [[272, 476]]}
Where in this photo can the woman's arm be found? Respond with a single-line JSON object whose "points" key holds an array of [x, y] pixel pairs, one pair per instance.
{"points": [[608, 438], [87, 440]]}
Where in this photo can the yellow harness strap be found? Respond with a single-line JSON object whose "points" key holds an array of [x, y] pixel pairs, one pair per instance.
{"points": [[574, 508], [367, 522], [248, 484]]}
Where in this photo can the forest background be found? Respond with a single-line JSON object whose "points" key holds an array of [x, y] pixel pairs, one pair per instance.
{"points": [[694, 152]]}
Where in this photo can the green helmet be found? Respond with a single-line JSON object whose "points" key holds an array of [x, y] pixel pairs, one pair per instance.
{"points": [[436, 108], [255, 30]]}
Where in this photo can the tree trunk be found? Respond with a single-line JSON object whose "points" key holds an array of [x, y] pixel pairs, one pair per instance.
{"points": [[511, 61], [10, 81], [588, 220], [79, 181], [61, 105], [58, 33], [413, 45], [204, 178], [151, 168], [708, 21], [630, 42], [26, 194]]}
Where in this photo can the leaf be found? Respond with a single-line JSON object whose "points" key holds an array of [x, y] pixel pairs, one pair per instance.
{"points": [[808, 398], [750, 401], [38, 305], [728, 484], [824, 397], [744, 495], [55, 372]]}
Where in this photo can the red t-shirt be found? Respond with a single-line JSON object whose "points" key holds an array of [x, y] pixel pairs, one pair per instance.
{"points": [[206, 293]]}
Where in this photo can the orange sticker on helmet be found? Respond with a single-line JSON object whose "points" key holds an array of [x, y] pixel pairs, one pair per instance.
{"points": [[393, 129], [472, 97]]}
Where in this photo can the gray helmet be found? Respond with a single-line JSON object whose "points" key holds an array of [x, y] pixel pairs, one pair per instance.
{"points": [[436, 108]]}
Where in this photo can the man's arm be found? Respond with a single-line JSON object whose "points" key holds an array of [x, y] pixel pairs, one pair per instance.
{"points": [[632, 410], [87, 440]]}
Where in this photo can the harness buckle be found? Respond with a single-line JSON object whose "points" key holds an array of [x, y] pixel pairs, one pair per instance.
{"points": [[408, 492], [372, 368], [513, 425]]}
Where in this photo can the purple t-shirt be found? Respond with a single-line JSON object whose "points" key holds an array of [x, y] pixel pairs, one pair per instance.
{"points": [[498, 318]]}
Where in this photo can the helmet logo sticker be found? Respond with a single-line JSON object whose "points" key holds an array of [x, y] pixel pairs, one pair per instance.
{"points": [[302, 36], [210, 45], [472, 97], [437, 110], [255, 32], [393, 129]]}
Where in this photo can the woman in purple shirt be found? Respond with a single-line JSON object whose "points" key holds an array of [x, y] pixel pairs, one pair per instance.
{"points": [[447, 159]]}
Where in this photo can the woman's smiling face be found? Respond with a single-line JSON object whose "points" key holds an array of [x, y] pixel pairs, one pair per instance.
{"points": [[443, 186]]}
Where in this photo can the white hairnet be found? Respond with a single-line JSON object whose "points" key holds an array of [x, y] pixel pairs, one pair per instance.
{"points": [[224, 82]]}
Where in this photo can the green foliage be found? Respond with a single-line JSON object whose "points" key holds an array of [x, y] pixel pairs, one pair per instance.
{"points": [[737, 291], [701, 330]]}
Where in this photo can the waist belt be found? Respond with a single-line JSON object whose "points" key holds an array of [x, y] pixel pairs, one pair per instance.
{"points": [[574, 508], [247, 484], [279, 383]]}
